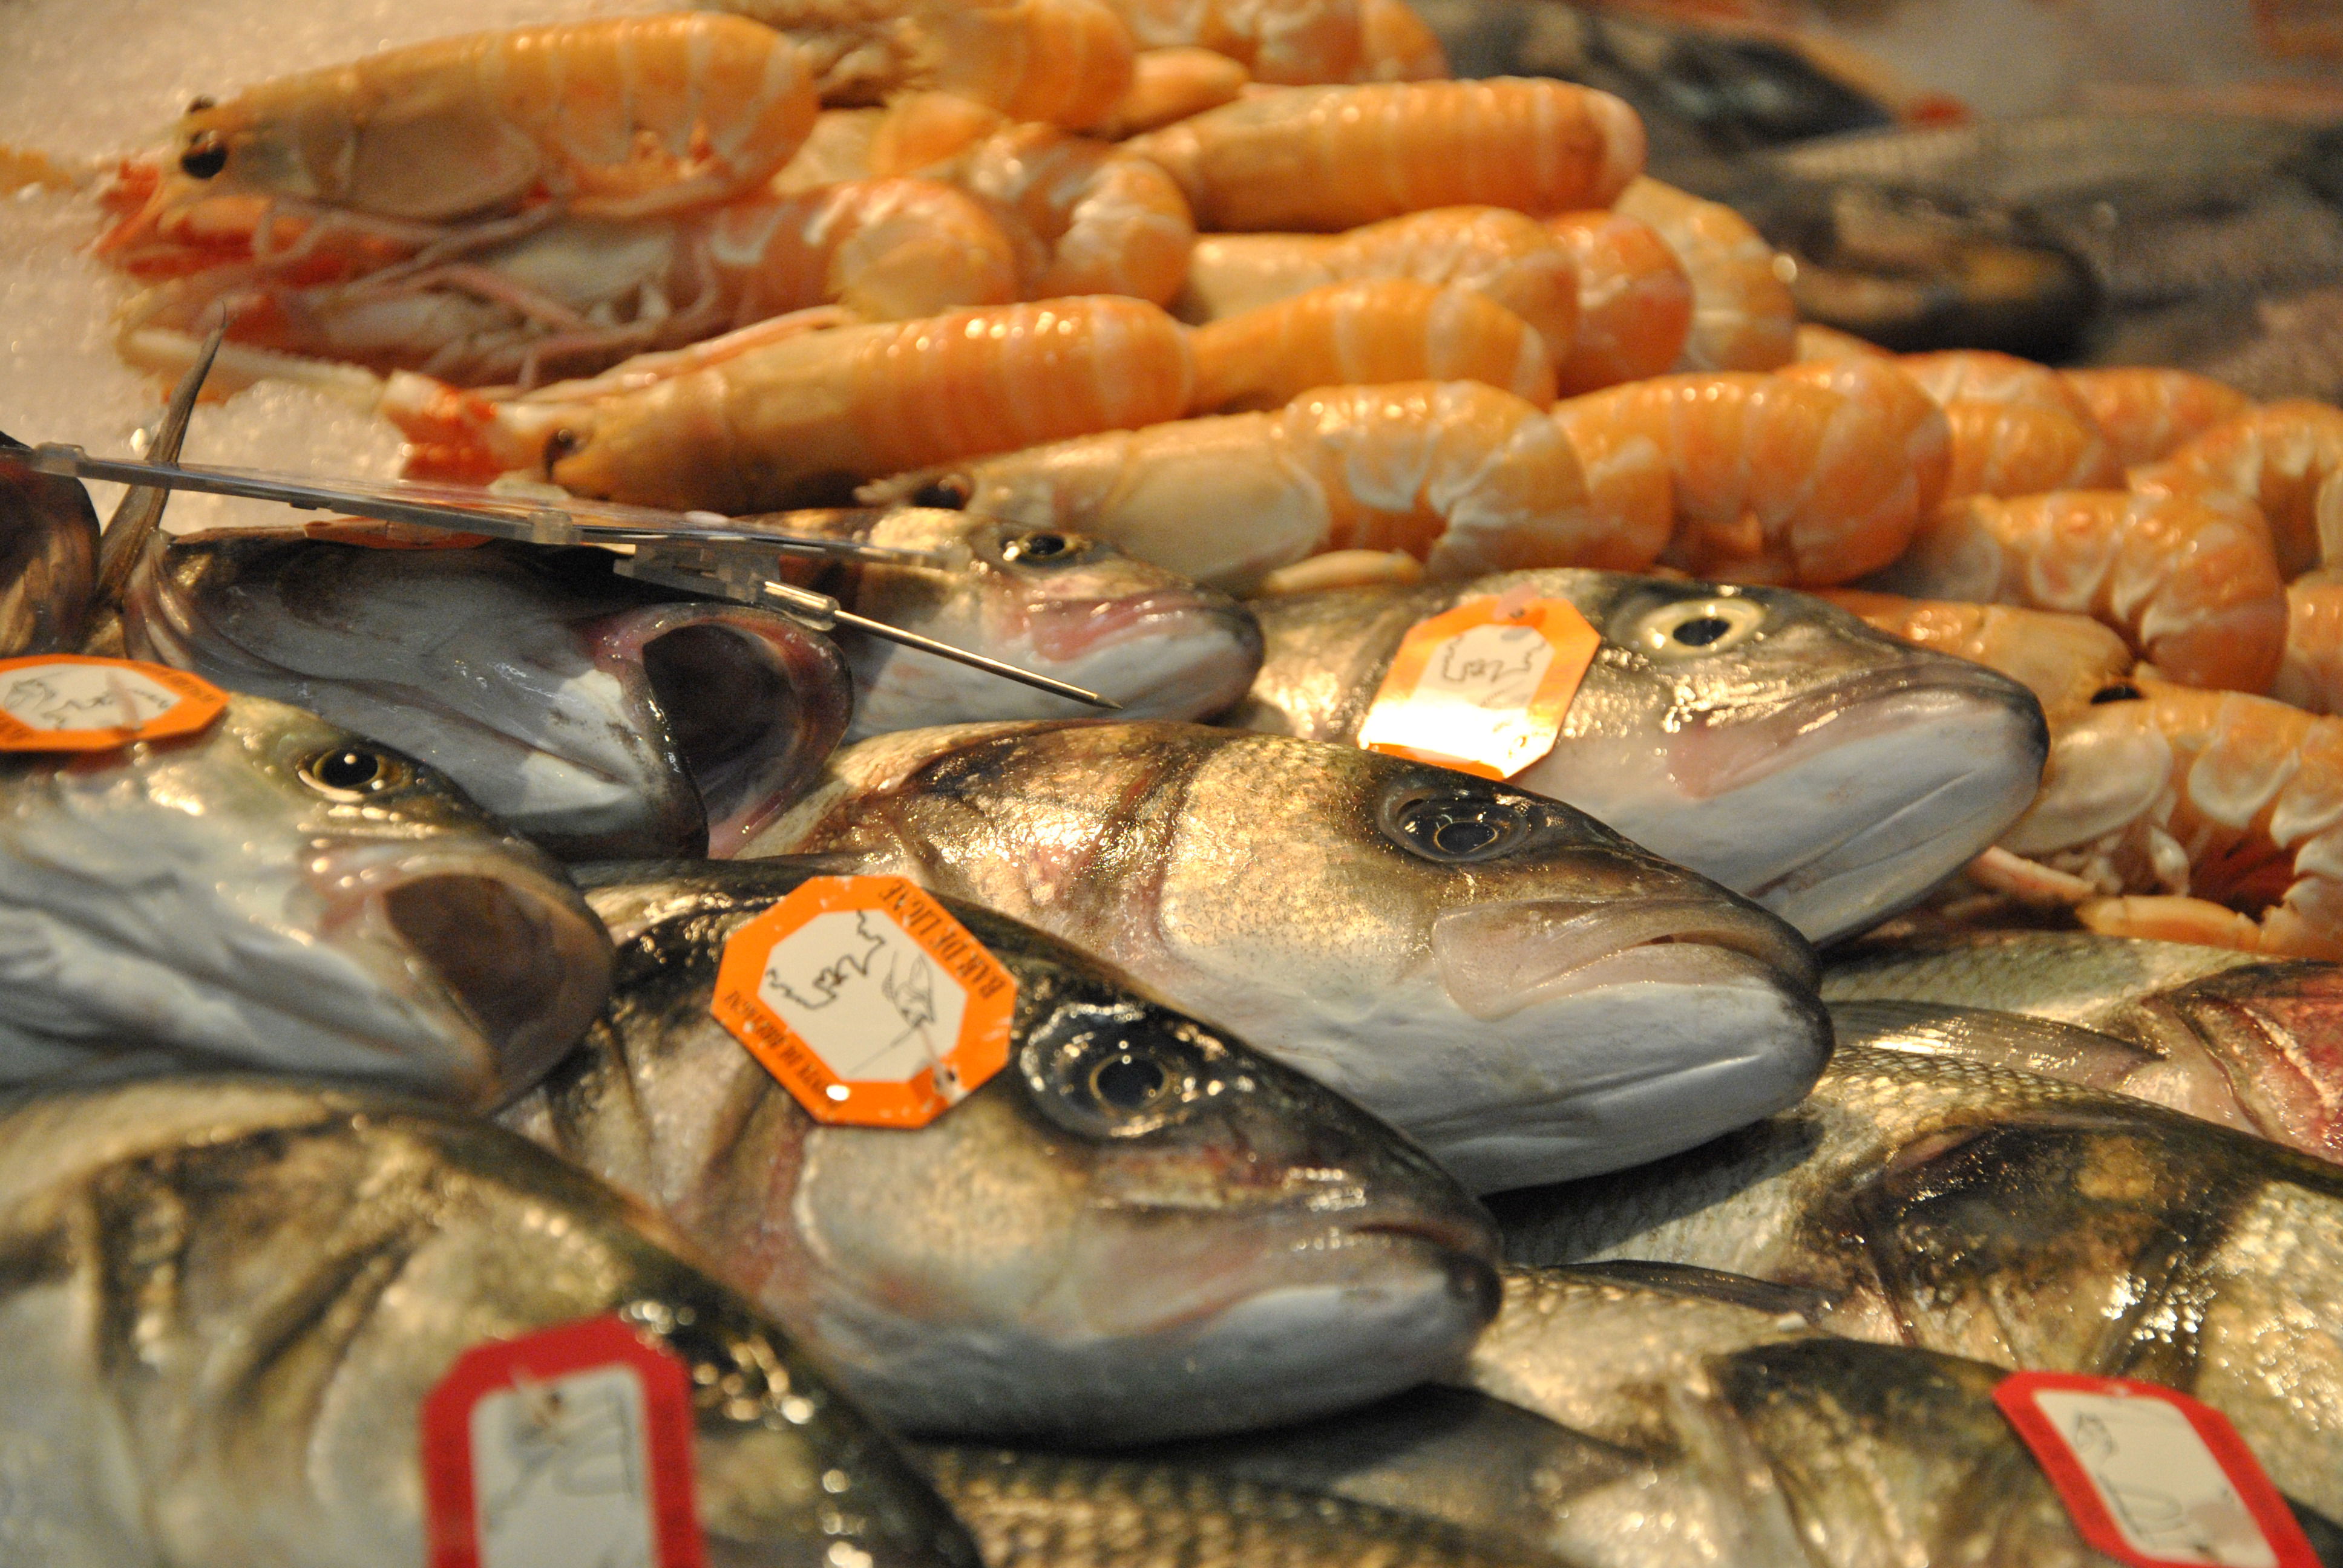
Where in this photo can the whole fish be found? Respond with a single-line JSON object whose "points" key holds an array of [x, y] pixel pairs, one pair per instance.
{"points": [[277, 892], [49, 558], [1197, 1242], [1059, 604], [1757, 736], [2016, 1221], [228, 1297], [1068, 1511], [2235, 1037], [597, 716], [1510, 982]]}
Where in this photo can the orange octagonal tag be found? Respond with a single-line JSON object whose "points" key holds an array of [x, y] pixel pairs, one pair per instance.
{"points": [[73, 702], [867, 1000], [1482, 688]]}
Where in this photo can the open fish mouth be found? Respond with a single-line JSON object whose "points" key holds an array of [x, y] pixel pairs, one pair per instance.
{"points": [[1497, 960], [513, 961]]}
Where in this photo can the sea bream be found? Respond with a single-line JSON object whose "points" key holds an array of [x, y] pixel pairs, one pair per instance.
{"points": [[226, 1299], [1060, 604], [1759, 735], [278, 893], [2239, 1038], [1507, 980], [2018, 1221], [596, 715], [1139, 1228]]}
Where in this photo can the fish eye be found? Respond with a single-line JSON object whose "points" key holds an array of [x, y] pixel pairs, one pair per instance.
{"points": [[206, 156], [1694, 628], [949, 494], [1453, 828], [1116, 1070], [349, 773], [562, 443], [2121, 691], [1036, 548]]}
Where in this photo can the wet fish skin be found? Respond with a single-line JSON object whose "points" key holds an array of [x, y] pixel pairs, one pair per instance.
{"points": [[1031, 1510], [1503, 978], [226, 1299], [213, 899], [599, 717], [2016, 1221], [1060, 604], [49, 558], [1748, 758], [2234, 1037], [1244, 1247]]}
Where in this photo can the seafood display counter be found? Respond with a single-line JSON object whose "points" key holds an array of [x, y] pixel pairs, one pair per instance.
{"points": [[881, 784]]}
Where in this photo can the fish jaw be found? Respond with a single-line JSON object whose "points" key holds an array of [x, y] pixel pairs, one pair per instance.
{"points": [[1836, 810]]}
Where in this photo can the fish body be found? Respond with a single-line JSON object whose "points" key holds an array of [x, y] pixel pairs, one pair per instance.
{"points": [[1503, 978], [599, 717], [2235, 1037], [1760, 737], [1062, 604], [49, 558], [278, 893], [227, 1298], [2016, 1221], [1139, 1228]]}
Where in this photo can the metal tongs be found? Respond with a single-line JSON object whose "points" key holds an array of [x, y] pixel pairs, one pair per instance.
{"points": [[702, 553]]}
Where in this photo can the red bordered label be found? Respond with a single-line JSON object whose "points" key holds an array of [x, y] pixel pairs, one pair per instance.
{"points": [[568, 1446], [2151, 1476], [867, 1000], [1482, 688], [71, 702]]}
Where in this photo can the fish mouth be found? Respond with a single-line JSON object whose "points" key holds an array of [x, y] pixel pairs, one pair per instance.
{"points": [[1498, 959], [520, 966], [1069, 629]]}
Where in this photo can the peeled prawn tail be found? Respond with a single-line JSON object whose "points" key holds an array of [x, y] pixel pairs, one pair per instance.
{"points": [[1397, 44], [1742, 316], [1285, 42], [2311, 677], [2019, 429], [1374, 330], [2189, 582], [2145, 412], [2285, 458], [1635, 301]]}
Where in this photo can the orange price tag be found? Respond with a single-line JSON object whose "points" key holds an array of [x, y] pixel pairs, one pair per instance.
{"points": [[867, 1000], [71, 702], [2150, 1476], [1483, 688]]}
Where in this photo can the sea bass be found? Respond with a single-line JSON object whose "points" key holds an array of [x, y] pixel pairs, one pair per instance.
{"points": [[1510, 982], [1138, 1228], [1757, 736], [277, 892], [1060, 604], [226, 1299], [49, 558], [599, 717], [2236, 1037], [2017, 1221]]}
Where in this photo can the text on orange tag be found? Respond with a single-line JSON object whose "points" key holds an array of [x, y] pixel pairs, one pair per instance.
{"points": [[2150, 1476], [566, 1447], [869, 1002], [71, 702], [1483, 688]]}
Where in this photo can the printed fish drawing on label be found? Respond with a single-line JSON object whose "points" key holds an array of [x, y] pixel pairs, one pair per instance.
{"points": [[889, 1014], [560, 1464], [85, 697], [2166, 1491]]}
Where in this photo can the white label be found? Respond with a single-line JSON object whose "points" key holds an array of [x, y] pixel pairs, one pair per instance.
{"points": [[2164, 1488], [855, 987], [561, 1473], [51, 697]]}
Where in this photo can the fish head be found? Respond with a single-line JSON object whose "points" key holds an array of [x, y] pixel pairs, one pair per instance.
{"points": [[1140, 1229], [280, 892], [1779, 745], [1520, 988], [582, 710], [1058, 603], [48, 558]]}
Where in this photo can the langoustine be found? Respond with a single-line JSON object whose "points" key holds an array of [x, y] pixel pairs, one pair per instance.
{"points": [[1375, 330], [1742, 316], [1326, 158], [768, 419], [2018, 428], [1459, 475], [2190, 582], [2286, 458], [2063, 659], [1811, 477], [579, 295], [2145, 412], [1635, 301]]}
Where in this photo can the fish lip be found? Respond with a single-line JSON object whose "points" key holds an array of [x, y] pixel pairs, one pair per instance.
{"points": [[1065, 630], [1594, 932]]}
